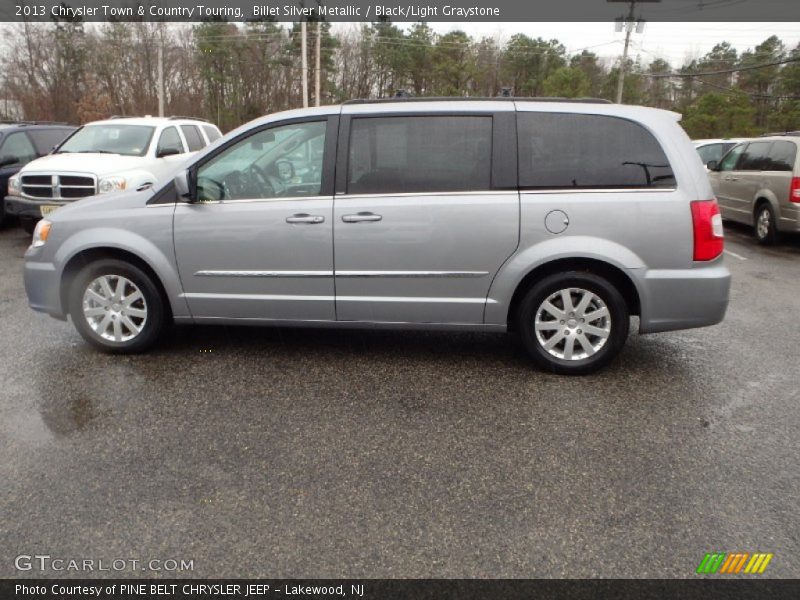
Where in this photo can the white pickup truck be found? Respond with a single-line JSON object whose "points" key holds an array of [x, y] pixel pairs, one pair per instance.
{"points": [[105, 156]]}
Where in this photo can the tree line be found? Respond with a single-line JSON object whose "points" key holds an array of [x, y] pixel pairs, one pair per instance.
{"points": [[231, 73]]}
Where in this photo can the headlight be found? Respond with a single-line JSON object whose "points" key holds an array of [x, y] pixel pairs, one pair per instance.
{"points": [[41, 233], [14, 186], [111, 184]]}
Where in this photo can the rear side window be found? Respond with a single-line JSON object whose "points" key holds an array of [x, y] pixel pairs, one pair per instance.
{"points": [[212, 133], [562, 151], [782, 156], [46, 139], [193, 138], [419, 154], [755, 157]]}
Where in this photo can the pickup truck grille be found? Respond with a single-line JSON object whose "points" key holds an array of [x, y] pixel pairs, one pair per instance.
{"points": [[59, 187]]}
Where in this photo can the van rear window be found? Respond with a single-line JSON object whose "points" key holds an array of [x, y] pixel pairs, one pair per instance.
{"points": [[578, 151]]}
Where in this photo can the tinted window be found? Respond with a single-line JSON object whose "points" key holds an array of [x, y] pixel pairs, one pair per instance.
{"points": [[711, 152], [169, 140], [559, 150], [278, 162], [755, 157], [782, 156], [729, 161], [419, 154], [193, 138], [17, 150], [212, 133], [46, 139]]}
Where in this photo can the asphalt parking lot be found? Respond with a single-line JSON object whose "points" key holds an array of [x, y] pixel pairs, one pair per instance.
{"points": [[294, 453]]}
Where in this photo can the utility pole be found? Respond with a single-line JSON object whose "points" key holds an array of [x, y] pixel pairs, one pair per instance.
{"points": [[629, 23], [304, 63], [161, 76], [317, 64]]}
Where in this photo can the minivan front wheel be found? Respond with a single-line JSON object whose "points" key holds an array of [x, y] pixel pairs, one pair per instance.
{"points": [[766, 232], [573, 323], [116, 307]]}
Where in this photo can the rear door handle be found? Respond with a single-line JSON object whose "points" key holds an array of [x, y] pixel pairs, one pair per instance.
{"points": [[729, 178], [305, 218], [361, 217]]}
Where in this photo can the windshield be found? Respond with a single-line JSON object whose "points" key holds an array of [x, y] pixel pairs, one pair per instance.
{"points": [[128, 140]]}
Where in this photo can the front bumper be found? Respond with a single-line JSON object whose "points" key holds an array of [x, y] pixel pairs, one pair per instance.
{"points": [[26, 207], [42, 285], [684, 298]]}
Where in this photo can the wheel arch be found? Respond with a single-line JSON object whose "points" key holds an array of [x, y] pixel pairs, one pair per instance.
{"points": [[615, 275]]}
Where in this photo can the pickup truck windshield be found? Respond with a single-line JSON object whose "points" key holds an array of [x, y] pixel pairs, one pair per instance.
{"points": [[128, 140]]}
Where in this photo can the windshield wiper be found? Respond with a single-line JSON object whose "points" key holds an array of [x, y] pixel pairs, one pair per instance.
{"points": [[86, 152]]}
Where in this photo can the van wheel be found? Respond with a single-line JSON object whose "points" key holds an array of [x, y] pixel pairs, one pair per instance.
{"points": [[116, 307], [766, 231], [573, 323]]}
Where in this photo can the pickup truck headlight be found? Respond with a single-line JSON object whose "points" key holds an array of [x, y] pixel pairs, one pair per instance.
{"points": [[111, 184], [41, 233], [14, 186]]}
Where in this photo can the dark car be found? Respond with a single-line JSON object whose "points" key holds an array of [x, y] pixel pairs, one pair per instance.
{"points": [[22, 142]]}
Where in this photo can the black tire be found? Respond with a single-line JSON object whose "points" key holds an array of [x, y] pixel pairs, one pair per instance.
{"points": [[28, 224], [617, 324], [153, 304], [2, 212], [768, 237]]}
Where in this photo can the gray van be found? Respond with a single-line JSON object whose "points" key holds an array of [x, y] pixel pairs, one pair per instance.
{"points": [[558, 220], [758, 183]]}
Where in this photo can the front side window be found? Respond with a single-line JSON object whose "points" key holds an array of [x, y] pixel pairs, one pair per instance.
{"points": [[169, 143], [574, 151], [127, 140], [212, 133], [277, 162], [755, 157], [731, 159], [714, 152], [16, 150], [420, 154], [782, 156]]}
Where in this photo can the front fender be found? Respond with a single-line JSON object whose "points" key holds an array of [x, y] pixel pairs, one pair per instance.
{"points": [[156, 252], [527, 259]]}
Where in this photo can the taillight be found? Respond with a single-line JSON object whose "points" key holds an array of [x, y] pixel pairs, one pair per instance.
{"points": [[707, 224], [794, 190]]}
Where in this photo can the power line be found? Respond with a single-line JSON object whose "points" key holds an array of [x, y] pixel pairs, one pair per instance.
{"points": [[726, 71]]}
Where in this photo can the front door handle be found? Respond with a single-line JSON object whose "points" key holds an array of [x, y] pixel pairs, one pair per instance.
{"points": [[729, 178], [361, 217], [305, 218]]}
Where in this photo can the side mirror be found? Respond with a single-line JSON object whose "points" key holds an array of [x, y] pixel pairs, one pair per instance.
{"points": [[182, 187], [712, 165], [167, 152], [8, 160]]}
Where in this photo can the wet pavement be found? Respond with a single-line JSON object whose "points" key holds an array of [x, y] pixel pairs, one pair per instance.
{"points": [[297, 453]]}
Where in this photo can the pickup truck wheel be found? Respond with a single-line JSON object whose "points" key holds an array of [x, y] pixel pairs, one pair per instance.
{"points": [[573, 323], [765, 229], [28, 224], [116, 307]]}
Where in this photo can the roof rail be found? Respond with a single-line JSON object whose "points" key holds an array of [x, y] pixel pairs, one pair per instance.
{"points": [[792, 133], [176, 117], [12, 122], [474, 99]]}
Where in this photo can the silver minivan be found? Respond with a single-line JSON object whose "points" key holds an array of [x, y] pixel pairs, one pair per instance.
{"points": [[557, 220], [758, 183]]}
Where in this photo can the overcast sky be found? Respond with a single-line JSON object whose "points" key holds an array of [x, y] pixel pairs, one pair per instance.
{"points": [[673, 42]]}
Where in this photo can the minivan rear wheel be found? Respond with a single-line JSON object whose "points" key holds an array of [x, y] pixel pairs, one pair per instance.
{"points": [[116, 307], [573, 323], [766, 231]]}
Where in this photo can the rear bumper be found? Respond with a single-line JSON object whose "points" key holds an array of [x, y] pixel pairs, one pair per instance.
{"points": [[43, 289], [685, 298], [25, 207]]}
